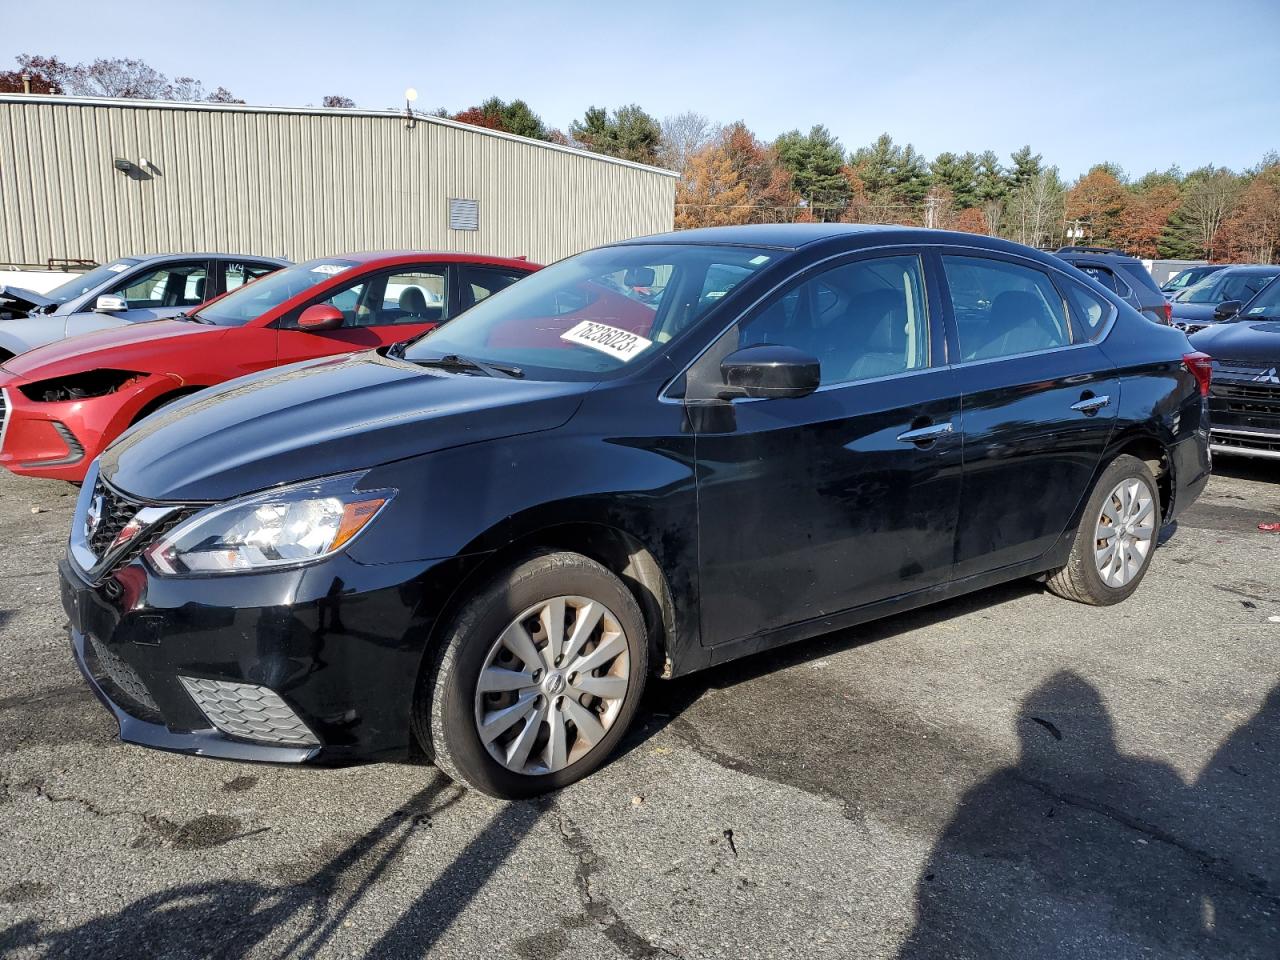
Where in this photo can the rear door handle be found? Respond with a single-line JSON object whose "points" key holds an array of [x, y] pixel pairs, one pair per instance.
{"points": [[1091, 405], [926, 434]]}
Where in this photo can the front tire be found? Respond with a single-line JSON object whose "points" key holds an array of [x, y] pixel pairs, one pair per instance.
{"points": [[1116, 537], [536, 678]]}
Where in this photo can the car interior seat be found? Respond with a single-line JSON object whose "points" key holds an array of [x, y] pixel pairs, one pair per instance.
{"points": [[1018, 322]]}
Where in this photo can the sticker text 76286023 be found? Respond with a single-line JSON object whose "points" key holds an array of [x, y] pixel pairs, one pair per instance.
{"points": [[622, 344]]}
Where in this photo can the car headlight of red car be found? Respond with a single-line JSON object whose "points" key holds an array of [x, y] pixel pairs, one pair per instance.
{"points": [[79, 386], [288, 526]]}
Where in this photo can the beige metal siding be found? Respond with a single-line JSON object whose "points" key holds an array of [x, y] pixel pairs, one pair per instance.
{"points": [[298, 184]]}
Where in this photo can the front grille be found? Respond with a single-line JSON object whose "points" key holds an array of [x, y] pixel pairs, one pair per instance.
{"points": [[1258, 443], [1258, 401], [248, 711], [115, 511], [4, 415]]}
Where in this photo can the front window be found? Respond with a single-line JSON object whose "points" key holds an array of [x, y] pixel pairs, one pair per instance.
{"points": [[252, 300], [82, 284], [596, 313]]}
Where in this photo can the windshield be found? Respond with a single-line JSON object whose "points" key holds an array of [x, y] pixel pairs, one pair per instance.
{"points": [[257, 297], [592, 315], [1226, 285], [1265, 304], [80, 285]]}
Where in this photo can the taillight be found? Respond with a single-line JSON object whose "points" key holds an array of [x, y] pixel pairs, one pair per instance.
{"points": [[1200, 366], [1168, 314]]}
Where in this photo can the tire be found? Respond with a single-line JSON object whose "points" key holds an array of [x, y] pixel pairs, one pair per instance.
{"points": [[1082, 579], [482, 638]]}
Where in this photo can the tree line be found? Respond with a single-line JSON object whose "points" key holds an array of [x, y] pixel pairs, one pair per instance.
{"points": [[728, 175]]}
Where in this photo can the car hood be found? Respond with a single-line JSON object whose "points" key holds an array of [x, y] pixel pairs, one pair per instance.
{"points": [[19, 300], [127, 346], [319, 418], [1248, 341], [18, 336]]}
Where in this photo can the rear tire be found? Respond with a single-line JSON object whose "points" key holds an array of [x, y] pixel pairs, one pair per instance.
{"points": [[558, 723], [1116, 537]]}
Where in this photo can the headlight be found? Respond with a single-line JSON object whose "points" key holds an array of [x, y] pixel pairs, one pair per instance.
{"points": [[80, 386], [284, 527]]}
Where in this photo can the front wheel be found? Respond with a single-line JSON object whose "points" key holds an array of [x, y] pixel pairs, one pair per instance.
{"points": [[1116, 537], [536, 679]]}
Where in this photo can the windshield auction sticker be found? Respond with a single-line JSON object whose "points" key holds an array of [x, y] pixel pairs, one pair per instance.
{"points": [[330, 268], [622, 344]]}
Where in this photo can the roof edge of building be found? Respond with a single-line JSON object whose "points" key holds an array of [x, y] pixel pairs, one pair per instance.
{"points": [[204, 105]]}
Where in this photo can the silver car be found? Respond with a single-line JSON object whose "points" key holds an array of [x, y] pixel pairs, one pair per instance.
{"points": [[128, 290]]}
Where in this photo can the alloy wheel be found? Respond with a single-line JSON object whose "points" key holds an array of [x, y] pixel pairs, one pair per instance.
{"points": [[552, 685], [1125, 532]]}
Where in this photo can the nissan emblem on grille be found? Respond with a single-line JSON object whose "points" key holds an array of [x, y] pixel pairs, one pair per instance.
{"points": [[93, 517]]}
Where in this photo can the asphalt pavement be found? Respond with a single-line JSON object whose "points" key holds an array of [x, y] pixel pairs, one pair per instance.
{"points": [[1008, 775]]}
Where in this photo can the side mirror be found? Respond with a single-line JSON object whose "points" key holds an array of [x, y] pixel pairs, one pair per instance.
{"points": [[1227, 309], [320, 317], [106, 304], [769, 371]]}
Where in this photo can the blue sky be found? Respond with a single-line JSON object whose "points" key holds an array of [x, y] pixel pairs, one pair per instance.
{"points": [[1146, 85]]}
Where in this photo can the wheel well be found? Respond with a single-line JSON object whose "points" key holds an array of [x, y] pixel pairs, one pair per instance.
{"points": [[615, 550], [1153, 453], [157, 402]]}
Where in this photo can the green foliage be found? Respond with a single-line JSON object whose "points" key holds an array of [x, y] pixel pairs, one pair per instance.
{"points": [[628, 133], [516, 117], [1026, 167], [816, 162], [959, 174], [894, 175]]}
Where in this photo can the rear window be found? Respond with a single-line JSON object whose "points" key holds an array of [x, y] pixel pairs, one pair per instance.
{"points": [[1138, 273]]}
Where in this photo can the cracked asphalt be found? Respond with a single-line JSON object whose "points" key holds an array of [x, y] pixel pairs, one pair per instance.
{"points": [[1008, 775]]}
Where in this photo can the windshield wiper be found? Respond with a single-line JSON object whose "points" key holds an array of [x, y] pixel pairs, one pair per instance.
{"points": [[193, 317], [452, 361]]}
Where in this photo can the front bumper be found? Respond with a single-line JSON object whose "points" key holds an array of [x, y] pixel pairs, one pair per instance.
{"points": [[340, 644]]}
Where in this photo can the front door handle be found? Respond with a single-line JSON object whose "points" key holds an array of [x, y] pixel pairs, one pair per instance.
{"points": [[1091, 405], [926, 434]]}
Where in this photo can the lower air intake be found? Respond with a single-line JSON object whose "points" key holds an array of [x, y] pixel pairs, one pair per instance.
{"points": [[249, 712]]}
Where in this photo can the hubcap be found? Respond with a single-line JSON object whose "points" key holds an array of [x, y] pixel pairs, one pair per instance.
{"points": [[1125, 532], [552, 685]]}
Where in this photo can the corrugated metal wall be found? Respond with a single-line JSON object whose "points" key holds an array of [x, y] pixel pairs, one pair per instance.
{"points": [[298, 184]]}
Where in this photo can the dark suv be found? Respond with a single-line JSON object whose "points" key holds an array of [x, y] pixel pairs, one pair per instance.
{"points": [[642, 461], [1123, 276]]}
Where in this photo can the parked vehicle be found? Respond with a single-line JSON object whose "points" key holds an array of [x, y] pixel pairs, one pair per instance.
{"points": [[64, 402], [647, 459], [1188, 278], [128, 290], [1244, 402], [1218, 296], [1124, 276]]}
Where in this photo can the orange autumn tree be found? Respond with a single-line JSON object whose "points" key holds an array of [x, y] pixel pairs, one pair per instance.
{"points": [[970, 220], [735, 179], [1099, 200], [1251, 233], [1143, 219]]}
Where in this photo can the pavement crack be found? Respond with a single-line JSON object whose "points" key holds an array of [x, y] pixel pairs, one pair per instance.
{"points": [[595, 905], [1219, 868]]}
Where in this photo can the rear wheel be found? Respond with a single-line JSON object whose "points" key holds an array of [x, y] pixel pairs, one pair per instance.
{"points": [[1116, 537], [536, 678]]}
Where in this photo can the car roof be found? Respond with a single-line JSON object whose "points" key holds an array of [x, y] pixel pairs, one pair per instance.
{"points": [[147, 257], [1250, 268], [389, 257], [795, 236]]}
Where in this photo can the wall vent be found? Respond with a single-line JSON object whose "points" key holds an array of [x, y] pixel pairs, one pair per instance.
{"points": [[464, 214]]}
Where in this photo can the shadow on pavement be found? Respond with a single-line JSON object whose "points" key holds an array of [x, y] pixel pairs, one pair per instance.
{"points": [[229, 918], [1082, 850]]}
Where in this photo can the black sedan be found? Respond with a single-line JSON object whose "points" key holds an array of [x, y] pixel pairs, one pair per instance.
{"points": [[1245, 398], [645, 460]]}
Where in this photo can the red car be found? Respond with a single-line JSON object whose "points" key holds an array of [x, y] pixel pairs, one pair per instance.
{"points": [[62, 404]]}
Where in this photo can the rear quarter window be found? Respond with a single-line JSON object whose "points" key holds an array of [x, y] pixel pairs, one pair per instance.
{"points": [[1138, 273]]}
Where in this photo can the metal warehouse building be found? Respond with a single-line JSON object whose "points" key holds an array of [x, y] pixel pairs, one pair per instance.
{"points": [[94, 179]]}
